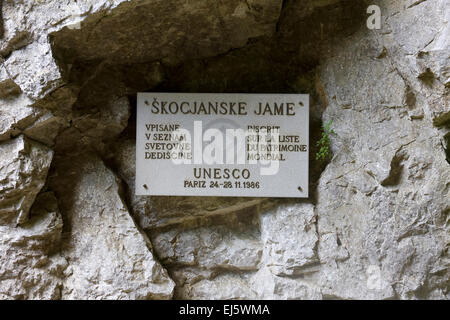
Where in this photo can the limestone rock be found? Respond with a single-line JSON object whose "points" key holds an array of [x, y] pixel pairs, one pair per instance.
{"points": [[34, 70], [7, 86], [109, 258], [284, 264], [381, 233], [23, 170], [198, 29], [216, 248], [122, 31], [99, 83], [19, 114], [376, 225], [94, 129], [107, 122], [223, 287], [16, 113], [30, 268], [45, 128], [25, 43], [273, 287], [421, 52], [289, 236]]}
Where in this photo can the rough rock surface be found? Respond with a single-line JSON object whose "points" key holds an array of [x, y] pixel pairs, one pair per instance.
{"points": [[378, 196], [23, 170], [108, 257], [183, 30], [31, 268], [283, 265], [376, 225]]}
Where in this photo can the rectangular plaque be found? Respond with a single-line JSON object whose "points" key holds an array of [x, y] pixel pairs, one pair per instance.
{"points": [[240, 145]]}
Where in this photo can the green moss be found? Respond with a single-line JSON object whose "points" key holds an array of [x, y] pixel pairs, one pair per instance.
{"points": [[324, 152]]}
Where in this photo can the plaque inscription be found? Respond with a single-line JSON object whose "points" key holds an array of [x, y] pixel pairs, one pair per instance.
{"points": [[244, 145]]}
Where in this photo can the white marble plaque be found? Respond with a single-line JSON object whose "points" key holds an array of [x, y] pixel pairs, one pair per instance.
{"points": [[240, 145]]}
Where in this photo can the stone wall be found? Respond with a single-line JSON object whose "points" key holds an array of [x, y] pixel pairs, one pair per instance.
{"points": [[376, 225]]}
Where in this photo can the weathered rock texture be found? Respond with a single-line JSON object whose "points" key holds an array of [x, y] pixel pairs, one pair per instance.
{"points": [[108, 257], [24, 166], [376, 225], [31, 268]]}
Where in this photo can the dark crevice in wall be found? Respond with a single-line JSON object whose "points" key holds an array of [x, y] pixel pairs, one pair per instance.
{"points": [[427, 77], [2, 30], [282, 11], [442, 121], [446, 146], [396, 170]]}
